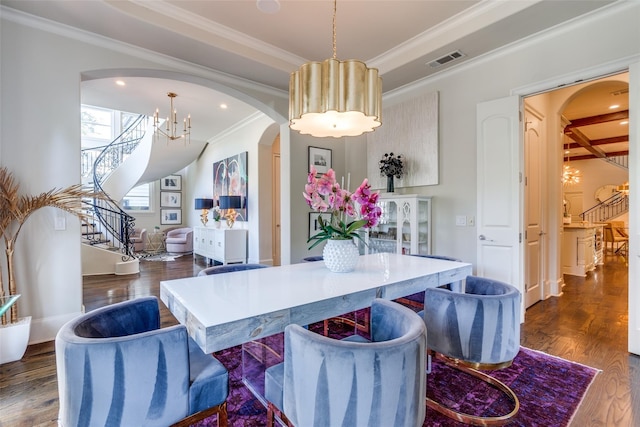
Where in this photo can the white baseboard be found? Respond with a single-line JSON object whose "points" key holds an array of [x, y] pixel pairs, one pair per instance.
{"points": [[45, 329]]}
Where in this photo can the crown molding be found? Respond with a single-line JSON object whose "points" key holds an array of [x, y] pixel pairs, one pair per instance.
{"points": [[620, 64], [481, 15], [170, 62], [188, 24]]}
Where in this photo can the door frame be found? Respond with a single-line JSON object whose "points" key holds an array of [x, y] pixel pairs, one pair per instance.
{"points": [[632, 65]]}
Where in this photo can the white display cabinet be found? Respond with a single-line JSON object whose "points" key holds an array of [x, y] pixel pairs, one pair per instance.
{"points": [[404, 227]]}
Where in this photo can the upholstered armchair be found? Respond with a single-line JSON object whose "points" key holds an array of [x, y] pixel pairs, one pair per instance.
{"points": [[179, 240], [138, 238], [478, 329], [353, 382], [117, 367]]}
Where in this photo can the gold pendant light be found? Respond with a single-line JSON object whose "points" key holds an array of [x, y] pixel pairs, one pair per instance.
{"points": [[335, 98], [570, 176]]}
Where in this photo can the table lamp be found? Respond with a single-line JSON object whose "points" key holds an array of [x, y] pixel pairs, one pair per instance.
{"points": [[205, 205], [230, 204]]}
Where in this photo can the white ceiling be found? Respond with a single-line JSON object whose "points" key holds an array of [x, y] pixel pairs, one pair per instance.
{"points": [[399, 37]]}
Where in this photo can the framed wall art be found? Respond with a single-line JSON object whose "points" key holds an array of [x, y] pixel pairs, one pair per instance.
{"points": [[314, 226], [230, 178], [320, 158], [170, 199], [170, 216], [171, 183]]}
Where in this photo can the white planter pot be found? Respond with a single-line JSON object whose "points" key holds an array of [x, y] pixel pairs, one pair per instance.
{"points": [[340, 256], [14, 339]]}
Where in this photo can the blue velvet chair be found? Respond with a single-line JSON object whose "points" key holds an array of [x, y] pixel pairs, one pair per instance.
{"points": [[353, 382], [228, 268], [475, 330], [117, 367]]}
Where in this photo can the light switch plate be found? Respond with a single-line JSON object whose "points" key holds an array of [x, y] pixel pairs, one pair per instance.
{"points": [[461, 220]]}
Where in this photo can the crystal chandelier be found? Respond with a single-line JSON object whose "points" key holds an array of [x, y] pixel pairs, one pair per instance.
{"points": [[335, 98], [570, 176], [171, 132]]}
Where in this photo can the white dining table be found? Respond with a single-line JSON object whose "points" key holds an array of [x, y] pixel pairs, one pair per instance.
{"points": [[226, 310]]}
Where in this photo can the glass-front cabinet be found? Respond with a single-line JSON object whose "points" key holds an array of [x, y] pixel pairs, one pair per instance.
{"points": [[404, 227]]}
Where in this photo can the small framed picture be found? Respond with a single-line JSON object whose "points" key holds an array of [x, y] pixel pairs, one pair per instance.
{"points": [[314, 225], [171, 183], [169, 199], [320, 158], [170, 216]]}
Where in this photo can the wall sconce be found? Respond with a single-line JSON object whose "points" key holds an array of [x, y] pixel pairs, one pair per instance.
{"points": [[205, 205], [230, 204]]}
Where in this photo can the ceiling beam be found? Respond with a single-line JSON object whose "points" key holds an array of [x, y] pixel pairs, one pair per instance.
{"points": [[603, 141], [584, 142], [594, 120]]}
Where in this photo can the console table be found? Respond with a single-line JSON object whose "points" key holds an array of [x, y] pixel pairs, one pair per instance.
{"points": [[225, 245]]}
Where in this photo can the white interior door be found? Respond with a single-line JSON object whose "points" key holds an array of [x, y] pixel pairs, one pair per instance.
{"points": [[634, 200], [499, 191], [533, 207]]}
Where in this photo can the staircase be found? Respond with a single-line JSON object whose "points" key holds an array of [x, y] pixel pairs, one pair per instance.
{"points": [[133, 158], [108, 247], [613, 207], [618, 161]]}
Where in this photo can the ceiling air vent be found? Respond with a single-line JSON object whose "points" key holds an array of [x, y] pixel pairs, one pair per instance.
{"points": [[447, 58]]}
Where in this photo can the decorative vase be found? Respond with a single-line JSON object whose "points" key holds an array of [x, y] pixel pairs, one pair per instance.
{"points": [[14, 338], [340, 256], [390, 184]]}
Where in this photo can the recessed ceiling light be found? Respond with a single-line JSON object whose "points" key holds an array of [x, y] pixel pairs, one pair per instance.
{"points": [[120, 83], [268, 6], [611, 107], [223, 106], [625, 122]]}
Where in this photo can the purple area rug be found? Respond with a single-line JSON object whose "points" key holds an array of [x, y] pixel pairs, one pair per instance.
{"points": [[550, 390]]}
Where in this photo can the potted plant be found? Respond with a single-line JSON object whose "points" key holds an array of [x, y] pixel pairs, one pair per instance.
{"points": [[391, 166], [15, 209], [349, 212]]}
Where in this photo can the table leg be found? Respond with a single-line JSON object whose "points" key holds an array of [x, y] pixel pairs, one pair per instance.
{"points": [[257, 356]]}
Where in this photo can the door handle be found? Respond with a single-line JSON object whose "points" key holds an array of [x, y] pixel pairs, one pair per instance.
{"points": [[482, 237]]}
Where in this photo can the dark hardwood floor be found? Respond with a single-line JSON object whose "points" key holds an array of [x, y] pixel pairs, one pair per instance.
{"points": [[587, 324]]}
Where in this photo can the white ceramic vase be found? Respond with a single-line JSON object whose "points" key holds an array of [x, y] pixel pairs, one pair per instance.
{"points": [[340, 256]]}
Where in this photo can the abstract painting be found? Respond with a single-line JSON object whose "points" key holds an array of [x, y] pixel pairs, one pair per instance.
{"points": [[230, 177]]}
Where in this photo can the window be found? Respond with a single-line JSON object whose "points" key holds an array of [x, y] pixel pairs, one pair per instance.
{"points": [[97, 123], [138, 199]]}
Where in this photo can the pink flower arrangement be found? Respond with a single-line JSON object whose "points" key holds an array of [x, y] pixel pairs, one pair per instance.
{"points": [[324, 194]]}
